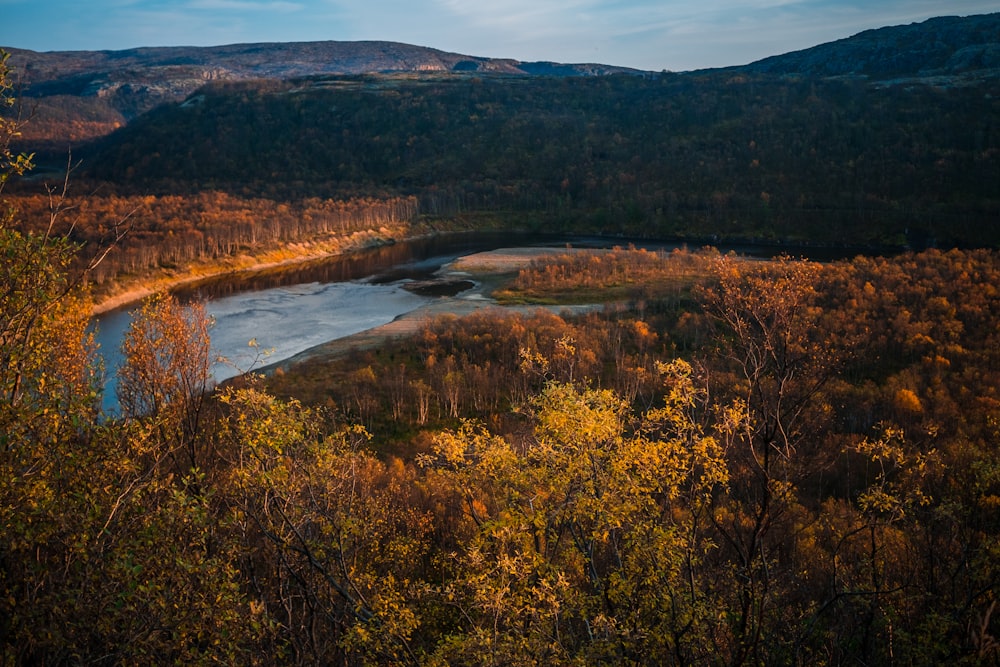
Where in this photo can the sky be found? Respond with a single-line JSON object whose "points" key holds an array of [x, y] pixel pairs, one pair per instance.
{"points": [[675, 35]]}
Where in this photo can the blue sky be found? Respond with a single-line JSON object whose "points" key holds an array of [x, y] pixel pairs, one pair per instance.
{"points": [[647, 34]]}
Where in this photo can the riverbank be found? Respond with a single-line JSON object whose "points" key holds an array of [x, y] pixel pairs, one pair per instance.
{"points": [[286, 256]]}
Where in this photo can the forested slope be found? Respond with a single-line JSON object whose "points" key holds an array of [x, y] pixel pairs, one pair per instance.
{"points": [[717, 155], [946, 45]]}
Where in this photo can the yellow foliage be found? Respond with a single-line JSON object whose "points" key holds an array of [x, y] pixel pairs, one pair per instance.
{"points": [[907, 401]]}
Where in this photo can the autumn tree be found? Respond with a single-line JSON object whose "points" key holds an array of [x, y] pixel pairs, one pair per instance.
{"points": [[777, 359], [166, 375], [11, 163], [588, 536], [331, 544], [47, 408]]}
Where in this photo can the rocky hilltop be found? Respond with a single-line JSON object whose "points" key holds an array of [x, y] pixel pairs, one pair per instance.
{"points": [[101, 90]]}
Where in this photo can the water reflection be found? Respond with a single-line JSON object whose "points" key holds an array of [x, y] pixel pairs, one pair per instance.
{"points": [[417, 259]]}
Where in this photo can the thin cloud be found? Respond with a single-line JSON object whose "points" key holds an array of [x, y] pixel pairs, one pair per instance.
{"points": [[245, 6], [532, 18]]}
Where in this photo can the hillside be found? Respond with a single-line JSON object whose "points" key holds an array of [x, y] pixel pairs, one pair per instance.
{"points": [[888, 138], [947, 46], [80, 95], [77, 96], [698, 157]]}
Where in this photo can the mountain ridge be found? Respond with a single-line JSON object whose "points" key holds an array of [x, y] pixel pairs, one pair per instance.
{"points": [[172, 72], [900, 149], [944, 45], [79, 96]]}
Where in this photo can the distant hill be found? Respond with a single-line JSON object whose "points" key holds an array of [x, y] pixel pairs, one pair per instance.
{"points": [[77, 96], [862, 141], [945, 46], [90, 93]]}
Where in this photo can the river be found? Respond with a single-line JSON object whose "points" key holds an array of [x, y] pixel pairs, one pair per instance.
{"points": [[288, 310]]}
